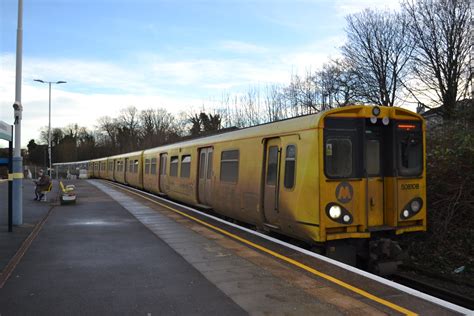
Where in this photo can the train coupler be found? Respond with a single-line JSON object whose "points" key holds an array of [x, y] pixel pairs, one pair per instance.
{"points": [[385, 256]]}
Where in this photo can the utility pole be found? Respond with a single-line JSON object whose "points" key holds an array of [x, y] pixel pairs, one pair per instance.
{"points": [[18, 109]]}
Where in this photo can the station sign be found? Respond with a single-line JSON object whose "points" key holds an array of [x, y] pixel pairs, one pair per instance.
{"points": [[6, 131]]}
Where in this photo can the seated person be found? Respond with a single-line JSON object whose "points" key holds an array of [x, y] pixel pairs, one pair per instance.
{"points": [[42, 184]]}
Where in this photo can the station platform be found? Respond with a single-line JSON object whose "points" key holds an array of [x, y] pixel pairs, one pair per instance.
{"points": [[116, 253]]}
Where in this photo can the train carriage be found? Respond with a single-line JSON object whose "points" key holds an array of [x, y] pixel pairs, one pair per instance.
{"points": [[103, 171], [94, 168], [133, 169], [126, 168], [332, 179], [110, 165]]}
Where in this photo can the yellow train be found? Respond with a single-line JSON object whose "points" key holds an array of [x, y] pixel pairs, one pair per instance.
{"points": [[334, 180]]}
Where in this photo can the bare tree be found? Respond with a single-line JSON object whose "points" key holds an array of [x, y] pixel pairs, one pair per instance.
{"points": [[441, 31], [378, 49], [250, 106], [128, 129], [109, 126], [300, 95], [339, 83], [157, 127], [275, 106]]}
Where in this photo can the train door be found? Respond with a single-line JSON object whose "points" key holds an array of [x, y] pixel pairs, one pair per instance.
{"points": [[205, 174], [272, 181], [162, 174], [374, 177], [114, 165]]}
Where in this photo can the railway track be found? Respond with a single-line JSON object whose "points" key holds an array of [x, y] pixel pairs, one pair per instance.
{"points": [[425, 287]]}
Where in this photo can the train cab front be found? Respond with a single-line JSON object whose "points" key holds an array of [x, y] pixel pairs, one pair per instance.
{"points": [[372, 174]]}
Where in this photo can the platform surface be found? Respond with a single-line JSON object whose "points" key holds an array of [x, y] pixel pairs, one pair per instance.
{"points": [[114, 253], [94, 258]]}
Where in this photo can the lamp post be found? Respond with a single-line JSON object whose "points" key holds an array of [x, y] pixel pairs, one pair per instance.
{"points": [[17, 167], [49, 125]]}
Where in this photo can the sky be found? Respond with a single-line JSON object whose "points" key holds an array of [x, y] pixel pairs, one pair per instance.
{"points": [[176, 55]]}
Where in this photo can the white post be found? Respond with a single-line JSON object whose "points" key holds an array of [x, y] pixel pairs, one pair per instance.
{"points": [[18, 109]]}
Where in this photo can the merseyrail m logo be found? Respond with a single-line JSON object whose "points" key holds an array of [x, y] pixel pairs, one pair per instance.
{"points": [[344, 192]]}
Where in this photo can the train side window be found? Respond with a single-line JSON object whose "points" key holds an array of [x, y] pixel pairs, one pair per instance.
{"points": [[272, 165], [130, 166], [290, 164], [202, 163], [185, 166], [338, 157], [209, 165], [135, 166], [147, 166], [174, 166], [153, 166], [163, 165], [230, 166]]}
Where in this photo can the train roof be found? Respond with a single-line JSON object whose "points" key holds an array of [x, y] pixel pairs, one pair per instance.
{"points": [[287, 126], [264, 130], [71, 163], [98, 159], [134, 153]]}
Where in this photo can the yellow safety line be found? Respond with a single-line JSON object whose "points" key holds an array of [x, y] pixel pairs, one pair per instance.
{"points": [[16, 175], [284, 258]]}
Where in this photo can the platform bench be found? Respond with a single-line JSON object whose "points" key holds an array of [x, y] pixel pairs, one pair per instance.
{"points": [[68, 196]]}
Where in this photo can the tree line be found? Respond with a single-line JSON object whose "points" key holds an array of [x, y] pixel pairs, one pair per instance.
{"points": [[420, 53]]}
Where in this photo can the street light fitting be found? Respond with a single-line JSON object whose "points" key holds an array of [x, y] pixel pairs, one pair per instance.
{"points": [[50, 82]]}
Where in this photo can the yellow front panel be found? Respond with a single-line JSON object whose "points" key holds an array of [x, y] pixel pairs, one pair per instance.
{"points": [[408, 189]]}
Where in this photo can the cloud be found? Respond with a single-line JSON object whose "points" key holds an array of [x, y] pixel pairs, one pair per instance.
{"points": [[97, 88], [74, 103], [220, 72], [345, 7], [242, 47]]}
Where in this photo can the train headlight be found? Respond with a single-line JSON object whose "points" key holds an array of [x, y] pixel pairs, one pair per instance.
{"points": [[338, 213], [415, 205], [376, 111], [335, 211]]}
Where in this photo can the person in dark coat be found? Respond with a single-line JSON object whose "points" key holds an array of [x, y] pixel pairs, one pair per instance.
{"points": [[42, 184]]}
